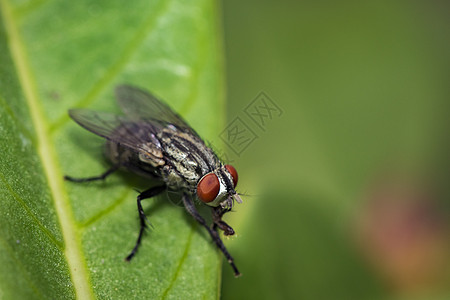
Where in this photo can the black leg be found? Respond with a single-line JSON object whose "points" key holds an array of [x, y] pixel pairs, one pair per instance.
{"points": [[100, 177], [151, 192], [190, 207], [217, 213]]}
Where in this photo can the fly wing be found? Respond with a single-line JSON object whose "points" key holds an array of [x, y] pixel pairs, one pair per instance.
{"points": [[139, 104], [133, 134]]}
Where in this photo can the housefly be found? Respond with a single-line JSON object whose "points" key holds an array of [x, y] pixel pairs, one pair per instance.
{"points": [[152, 140]]}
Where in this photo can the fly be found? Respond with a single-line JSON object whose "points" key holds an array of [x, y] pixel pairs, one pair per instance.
{"points": [[152, 140]]}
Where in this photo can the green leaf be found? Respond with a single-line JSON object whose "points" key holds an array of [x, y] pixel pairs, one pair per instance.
{"points": [[61, 240]]}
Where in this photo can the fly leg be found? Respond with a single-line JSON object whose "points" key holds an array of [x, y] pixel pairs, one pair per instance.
{"points": [[94, 178], [151, 192], [217, 213], [190, 207]]}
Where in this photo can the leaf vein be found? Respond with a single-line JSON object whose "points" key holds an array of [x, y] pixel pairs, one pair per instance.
{"points": [[182, 260], [100, 215], [30, 213], [18, 263], [22, 128], [72, 251]]}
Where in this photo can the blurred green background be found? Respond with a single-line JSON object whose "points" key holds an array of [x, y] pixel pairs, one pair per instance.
{"points": [[347, 188]]}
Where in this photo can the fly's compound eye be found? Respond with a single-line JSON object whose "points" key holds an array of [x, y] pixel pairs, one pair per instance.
{"points": [[208, 188], [233, 173]]}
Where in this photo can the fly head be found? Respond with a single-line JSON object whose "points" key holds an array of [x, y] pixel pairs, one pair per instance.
{"points": [[217, 188]]}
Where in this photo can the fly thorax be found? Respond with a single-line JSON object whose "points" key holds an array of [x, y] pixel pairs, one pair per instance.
{"points": [[151, 154]]}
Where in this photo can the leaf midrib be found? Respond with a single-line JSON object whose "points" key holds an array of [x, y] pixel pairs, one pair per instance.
{"points": [[72, 250]]}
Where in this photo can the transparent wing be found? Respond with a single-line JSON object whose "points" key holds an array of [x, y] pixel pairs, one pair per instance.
{"points": [[116, 128], [139, 104]]}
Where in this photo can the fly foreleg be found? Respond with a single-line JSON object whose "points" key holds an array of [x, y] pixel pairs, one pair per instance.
{"points": [[190, 207], [151, 192], [217, 214]]}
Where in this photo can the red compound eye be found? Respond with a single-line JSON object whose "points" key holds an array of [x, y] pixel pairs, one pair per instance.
{"points": [[233, 173], [208, 188]]}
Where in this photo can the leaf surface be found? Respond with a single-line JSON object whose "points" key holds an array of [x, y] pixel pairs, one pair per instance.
{"points": [[62, 240]]}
